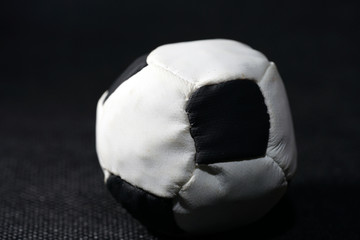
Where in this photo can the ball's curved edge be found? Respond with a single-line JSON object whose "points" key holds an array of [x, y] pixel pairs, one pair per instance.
{"points": [[152, 211], [282, 145], [210, 61], [131, 70]]}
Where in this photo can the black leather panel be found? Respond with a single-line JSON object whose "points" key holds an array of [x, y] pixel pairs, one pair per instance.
{"points": [[131, 70], [154, 212], [229, 122]]}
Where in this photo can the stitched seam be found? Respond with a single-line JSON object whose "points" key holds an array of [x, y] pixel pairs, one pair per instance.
{"points": [[140, 188], [267, 68], [281, 169], [197, 150], [268, 107], [155, 64], [186, 101]]}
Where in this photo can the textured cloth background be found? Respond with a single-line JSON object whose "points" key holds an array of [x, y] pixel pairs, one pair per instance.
{"points": [[57, 57]]}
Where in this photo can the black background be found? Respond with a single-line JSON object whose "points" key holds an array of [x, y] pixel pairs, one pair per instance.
{"points": [[57, 57]]}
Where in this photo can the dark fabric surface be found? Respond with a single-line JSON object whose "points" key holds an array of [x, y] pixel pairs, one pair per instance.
{"points": [[153, 211], [131, 70], [228, 121], [58, 57]]}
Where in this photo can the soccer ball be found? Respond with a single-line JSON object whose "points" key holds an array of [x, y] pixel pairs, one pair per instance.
{"points": [[197, 137]]}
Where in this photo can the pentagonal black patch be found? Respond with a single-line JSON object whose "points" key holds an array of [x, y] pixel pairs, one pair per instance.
{"points": [[154, 212], [229, 122], [131, 70]]}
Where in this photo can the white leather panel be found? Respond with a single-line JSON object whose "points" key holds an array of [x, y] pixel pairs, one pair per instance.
{"points": [[281, 145], [143, 132], [222, 195], [210, 61]]}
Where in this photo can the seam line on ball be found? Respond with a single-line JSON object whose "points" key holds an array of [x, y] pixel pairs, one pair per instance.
{"points": [[134, 185], [155, 64], [271, 64], [270, 116], [281, 169], [163, 68], [263, 75]]}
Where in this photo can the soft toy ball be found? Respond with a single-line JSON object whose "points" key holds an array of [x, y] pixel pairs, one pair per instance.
{"points": [[197, 137]]}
